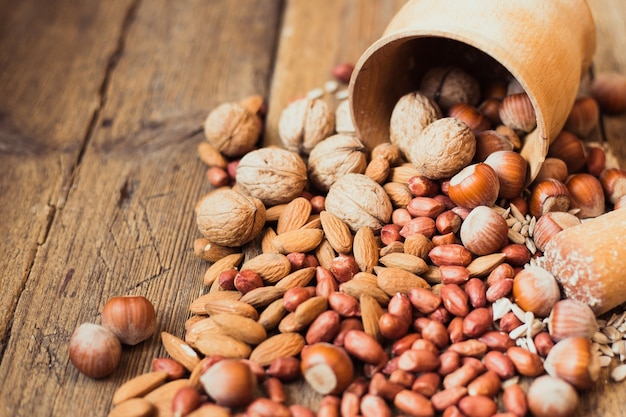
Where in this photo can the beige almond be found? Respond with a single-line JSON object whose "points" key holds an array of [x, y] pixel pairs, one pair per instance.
{"points": [[242, 328], [273, 213], [197, 305], [325, 254], [337, 232], [314, 222], [405, 261], [134, 407], [272, 315], [211, 156], [204, 249], [308, 310], [202, 328], [403, 173], [229, 261], [218, 306], [267, 241], [366, 277], [378, 169], [301, 240], [298, 278], [270, 266], [139, 386], [223, 345], [262, 296], [398, 193], [357, 288], [483, 265], [180, 350], [162, 397], [433, 275], [370, 315], [283, 344], [396, 280], [365, 249], [288, 324], [294, 216]]}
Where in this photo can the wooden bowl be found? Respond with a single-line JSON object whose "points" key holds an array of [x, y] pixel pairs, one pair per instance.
{"points": [[546, 45]]}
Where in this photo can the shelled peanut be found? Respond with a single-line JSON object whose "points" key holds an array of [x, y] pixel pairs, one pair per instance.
{"points": [[424, 278]]}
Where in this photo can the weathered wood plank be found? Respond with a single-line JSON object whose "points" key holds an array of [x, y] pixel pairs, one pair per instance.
{"points": [[53, 58], [127, 226]]}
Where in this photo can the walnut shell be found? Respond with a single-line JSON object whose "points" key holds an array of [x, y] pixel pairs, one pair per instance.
{"points": [[450, 85], [229, 218], [304, 123], [335, 157], [343, 118], [359, 201], [232, 129], [273, 175], [443, 148], [411, 114]]}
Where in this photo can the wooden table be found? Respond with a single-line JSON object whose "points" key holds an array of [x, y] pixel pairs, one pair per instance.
{"points": [[101, 104]]}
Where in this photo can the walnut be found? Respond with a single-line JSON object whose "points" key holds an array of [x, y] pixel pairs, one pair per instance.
{"points": [[304, 123], [359, 201], [273, 175], [443, 148], [232, 129], [335, 157], [343, 118], [412, 113], [229, 218], [450, 85]]}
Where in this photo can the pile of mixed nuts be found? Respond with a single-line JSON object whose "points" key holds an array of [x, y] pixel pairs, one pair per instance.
{"points": [[404, 279]]}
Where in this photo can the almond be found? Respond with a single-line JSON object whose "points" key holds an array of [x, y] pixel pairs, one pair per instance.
{"points": [[241, 328], [378, 169], [418, 245], [483, 265], [325, 254], [223, 345], [299, 278], [202, 328], [295, 215], [272, 315], [267, 241], [365, 249], [211, 156], [405, 261], [357, 287], [395, 280], [162, 396], [308, 310], [197, 305], [289, 324], [204, 249], [135, 407], [284, 344], [270, 266], [231, 306], [139, 386], [180, 350], [370, 314], [227, 262], [300, 240], [262, 296], [337, 232]]}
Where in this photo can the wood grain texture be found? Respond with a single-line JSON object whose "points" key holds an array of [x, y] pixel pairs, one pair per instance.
{"points": [[127, 224]]}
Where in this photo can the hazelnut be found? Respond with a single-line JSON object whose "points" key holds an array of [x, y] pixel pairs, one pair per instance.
{"points": [[489, 141], [131, 318], [571, 318], [583, 117], [327, 368], [335, 157], [94, 350], [471, 116], [475, 185], [272, 175], [229, 218], [484, 231], [518, 113], [232, 129], [613, 182], [586, 195], [570, 149], [535, 290], [573, 360], [449, 85], [411, 114], [230, 382], [554, 168], [510, 167], [551, 397], [304, 123], [548, 195], [443, 148], [609, 90], [550, 224]]}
